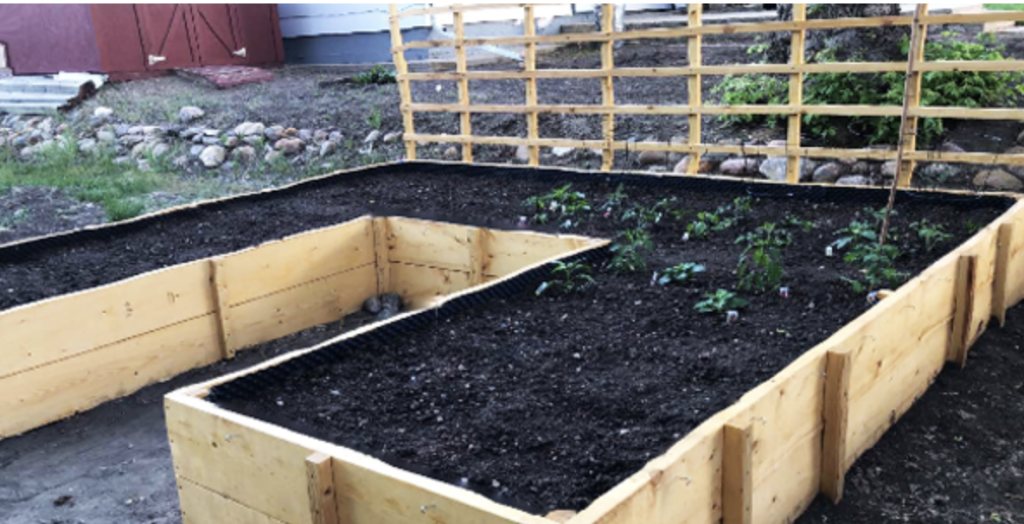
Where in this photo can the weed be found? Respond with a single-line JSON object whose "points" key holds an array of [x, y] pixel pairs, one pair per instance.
{"points": [[626, 252], [374, 119], [569, 277], [971, 227], [377, 75], [931, 234], [878, 265], [564, 204], [720, 301], [679, 273]]}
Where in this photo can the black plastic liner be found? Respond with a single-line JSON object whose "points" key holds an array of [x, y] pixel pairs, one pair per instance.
{"points": [[251, 386]]}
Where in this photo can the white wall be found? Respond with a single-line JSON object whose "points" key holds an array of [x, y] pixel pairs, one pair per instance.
{"points": [[335, 19]]}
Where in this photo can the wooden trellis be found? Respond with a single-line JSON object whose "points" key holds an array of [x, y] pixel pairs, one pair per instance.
{"points": [[695, 109]]}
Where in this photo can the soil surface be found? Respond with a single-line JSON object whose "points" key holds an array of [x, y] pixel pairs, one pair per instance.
{"points": [[35, 211], [958, 454]]}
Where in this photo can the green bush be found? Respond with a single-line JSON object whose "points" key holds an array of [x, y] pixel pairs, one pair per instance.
{"points": [[377, 75]]}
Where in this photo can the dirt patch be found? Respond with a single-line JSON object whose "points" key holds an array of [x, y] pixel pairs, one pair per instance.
{"points": [[34, 211]]}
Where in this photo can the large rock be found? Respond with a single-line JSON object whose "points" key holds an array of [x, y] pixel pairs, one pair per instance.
{"points": [[327, 148], [523, 154], [274, 133], [159, 149], [196, 150], [936, 173], [250, 129], [393, 136], [561, 152], [951, 147], [306, 135], [998, 179], [889, 169], [213, 156], [739, 166], [452, 153], [828, 173], [106, 136], [244, 154], [190, 113], [652, 158], [372, 137], [289, 146], [774, 168], [853, 180], [707, 165]]}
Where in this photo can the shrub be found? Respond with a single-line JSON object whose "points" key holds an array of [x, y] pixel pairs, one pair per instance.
{"points": [[377, 75]]}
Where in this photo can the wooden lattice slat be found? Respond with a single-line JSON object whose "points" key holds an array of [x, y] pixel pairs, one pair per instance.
{"points": [[695, 59]]}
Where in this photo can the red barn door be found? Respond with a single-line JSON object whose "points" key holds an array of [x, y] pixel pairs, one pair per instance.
{"points": [[166, 35], [218, 38]]}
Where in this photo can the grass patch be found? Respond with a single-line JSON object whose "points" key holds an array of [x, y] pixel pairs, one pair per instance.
{"points": [[1004, 7]]}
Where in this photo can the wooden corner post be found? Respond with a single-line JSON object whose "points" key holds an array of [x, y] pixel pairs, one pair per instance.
{"points": [[608, 85], [912, 97], [694, 59], [320, 483], [963, 309], [465, 125], [836, 413], [737, 474], [220, 294], [530, 64], [796, 95], [402, 69], [381, 248], [1004, 248]]}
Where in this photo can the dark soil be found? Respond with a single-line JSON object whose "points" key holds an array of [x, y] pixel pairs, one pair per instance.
{"points": [[35, 211], [958, 454]]}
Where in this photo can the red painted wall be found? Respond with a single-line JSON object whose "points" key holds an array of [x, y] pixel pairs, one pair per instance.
{"points": [[49, 38]]}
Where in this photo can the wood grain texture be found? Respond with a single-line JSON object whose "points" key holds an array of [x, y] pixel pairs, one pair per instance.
{"points": [[796, 94], [694, 95], [202, 506], [836, 417], [320, 475], [960, 338], [737, 474], [1000, 282]]}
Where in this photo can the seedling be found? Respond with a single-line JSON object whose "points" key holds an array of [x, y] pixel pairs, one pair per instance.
{"points": [[723, 218], [931, 234], [702, 227], [805, 225], [680, 273], [855, 234], [569, 277], [720, 301], [971, 227], [878, 265], [562, 204], [626, 253], [651, 216], [614, 203], [760, 267]]}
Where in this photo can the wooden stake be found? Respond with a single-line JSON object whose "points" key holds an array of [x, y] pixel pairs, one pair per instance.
{"points": [[404, 92], [963, 310], [836, 417], [381, 234], [796, 95], [477, 256], [220, 292], [530, 65], [1004, 248], [320, 477], [695, 59], [737, 474], [460, 67], [608, 85]]}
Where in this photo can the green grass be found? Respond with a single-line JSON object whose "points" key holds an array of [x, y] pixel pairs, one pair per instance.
{"points": [[1004, 7]]}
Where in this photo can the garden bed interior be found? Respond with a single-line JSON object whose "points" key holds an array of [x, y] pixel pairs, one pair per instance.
{"points": [[760, 459]]}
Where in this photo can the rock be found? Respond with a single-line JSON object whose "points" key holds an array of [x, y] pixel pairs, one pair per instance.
{"points": [[187, 134], [652, 158], [774, 168], [289, 146], [122, 160], [212, 156], [35, 137], [327, 148], [210, 141], [393, 136], [452, 153], [140, 149], [159, 150], [143, 165], [131, 140], [250, 129], [738, 166], [172, 130], [87, 144], [706, 165], [291, 131], [19, 141], [306, 135], [231, 141], [777, 143], [190, 113], [561, 152], [152, 131], [807, 168], [271, 156], [937, 173], [335, 136], [889, 169], [198, 139], [181, 161], [244, 154], [657, 169], [320, 136], [950, 147], [211, 132], [274, 133], [828, 173], [255, 141], [106, 136], [730, 142], [390, 305], [372, 137], [372, 305], [195, 150], [853, 180], [103, 112], [998, 179], [523, 154], [861, 167], [122, 129], [29, 151]]}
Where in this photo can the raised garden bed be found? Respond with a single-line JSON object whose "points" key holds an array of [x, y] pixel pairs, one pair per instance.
{"points": [[69, 353], [761, 459]]}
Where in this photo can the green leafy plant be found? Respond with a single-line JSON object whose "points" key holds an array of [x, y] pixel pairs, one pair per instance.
{"points": [[752, 90], [805, 225], [971, 227], [723, 218], [702, 227], [679, 273], [614, 203], [568, 277], [877, 264], [374, 119], [861, 232], [760, 267], [627, 256], [930, 233], [377, 75], [651, 216], [567, 206], [720, 301]]}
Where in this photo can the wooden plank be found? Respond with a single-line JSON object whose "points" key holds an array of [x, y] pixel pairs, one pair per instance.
{"points": [[401, 70], [222, 294], [737, 474], [301, 307], [61, 327], [298, 259], [912, 98], [651, 109], [694, 45], [511, 251], [836, 417], [608, 86], [320, 476], [1015, 269], [465, 125], [1000, 282], [423, 286], [61, 389], [964, 308], [202, 506], [530, 66], [433, 244], [478, 258], [796, 95], [382, 243]]}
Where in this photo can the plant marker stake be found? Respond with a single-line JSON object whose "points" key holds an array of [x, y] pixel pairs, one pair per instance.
{"points": [[915, 35], [686, 237], [784, 291], [872, 298], [654, 278], [828, 251], [732, 316], [522, 222]]}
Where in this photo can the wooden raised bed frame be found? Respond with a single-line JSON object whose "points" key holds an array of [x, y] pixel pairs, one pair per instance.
{"points": [[70, 353], [762, 460]]}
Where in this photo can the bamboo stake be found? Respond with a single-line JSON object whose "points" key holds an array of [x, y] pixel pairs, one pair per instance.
{"points": [[905, 129], [402, 70], [465, 125], [530, 65], [912, 95], [796, 95], [608, 85], [695, 59]]}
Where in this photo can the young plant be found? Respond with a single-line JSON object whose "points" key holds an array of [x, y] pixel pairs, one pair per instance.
{"points": [[855, 234], [626, 253], [760, 268], [650, 216], [568, 206], [931, 234], [877, 263], [702, 227], [377, 75], [568, 277], [720, 301], [805, 225], [679, 273], [614, 203], [374, 119]]}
